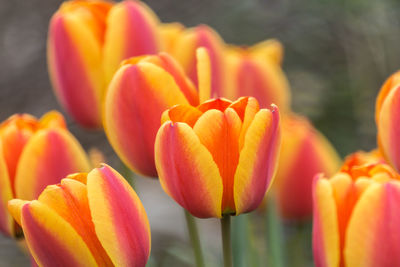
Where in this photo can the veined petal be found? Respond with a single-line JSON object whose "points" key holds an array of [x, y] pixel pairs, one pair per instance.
{"points": [[51, 240], [6, 194], [219, 133], [49, 156], [136, 98], [326, 241], [74, 60], [373, 238], [131, 31], [187, 170], [119, 217], [389, 127], [69, 200], [257, 161]]}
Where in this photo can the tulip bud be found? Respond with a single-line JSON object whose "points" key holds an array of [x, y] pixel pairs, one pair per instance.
{"points": [[256, 71], [305, 152], [388, 120], [184, 51], [93, 219], [356, 215], [87, 40], [218, 158], [34, 154], [140, 91]]}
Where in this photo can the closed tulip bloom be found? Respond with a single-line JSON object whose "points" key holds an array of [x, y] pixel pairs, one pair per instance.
{"points": [[33, 154], [305, 152], [139, 93], [357, 215], [218, 158], [256, 71], [93, 219], [184, 51], [87, 40], [388, 120]]}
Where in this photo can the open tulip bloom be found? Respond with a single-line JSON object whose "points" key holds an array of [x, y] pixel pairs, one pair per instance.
{"points": [[356, 215], [93, 219], [33, 154]]}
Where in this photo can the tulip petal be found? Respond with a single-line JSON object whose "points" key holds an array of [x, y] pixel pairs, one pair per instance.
{"points": [[51, 240], [325, 225], [257, 161], [270, 49], [389, 127], [204, 74], [15, 208], [373, 238], [6, 194], [136, 98], [131, 31], [119, 217], [187, 170], [49, 156], [182, 113], [220, 104], [69, 200], [74, 59], [219, 133]]}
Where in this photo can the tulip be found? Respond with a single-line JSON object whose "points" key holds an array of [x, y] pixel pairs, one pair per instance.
{"points": [[93, 219], [388, 120], [184, 51], [305, 152], [140, 91], [256, 71], [87, 40], [218, 158], [356, 215], [33, 154]]}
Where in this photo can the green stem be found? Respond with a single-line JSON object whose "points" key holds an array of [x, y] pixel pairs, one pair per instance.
{"points": [[226, 240], [194, 239]]}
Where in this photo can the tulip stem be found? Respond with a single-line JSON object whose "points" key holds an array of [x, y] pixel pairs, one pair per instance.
{"points": [[226, 240], [194, 239]]}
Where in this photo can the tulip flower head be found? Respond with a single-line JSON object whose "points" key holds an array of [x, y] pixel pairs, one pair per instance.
{"points": [[33, 154], [218, 158], [388, 120], [93, 219], [256, 71], [356, 215], [87, 40], [305, 152], [140, 91]]}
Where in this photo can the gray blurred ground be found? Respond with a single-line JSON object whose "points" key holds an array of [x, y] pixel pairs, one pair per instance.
{"points": [[337, 55]]}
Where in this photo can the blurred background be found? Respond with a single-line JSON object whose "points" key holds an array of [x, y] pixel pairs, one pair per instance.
{"points": [[337, 55]]}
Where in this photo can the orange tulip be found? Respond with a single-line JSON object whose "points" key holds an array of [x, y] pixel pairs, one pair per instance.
{"points": [[33, 154], [184, 51], [388, 120], [140, 91], [305, 152], [218, 158], [356, 215], [87, 40], [93, 219], [256, 71]]}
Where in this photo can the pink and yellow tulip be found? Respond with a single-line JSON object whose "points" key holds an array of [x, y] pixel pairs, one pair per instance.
{"points": [[93, 219], [256, 71], [140, 91], [184, 50], [388, 120], [218, 158], [87, 40], [305, 152], [33, 154], [356, 215]]}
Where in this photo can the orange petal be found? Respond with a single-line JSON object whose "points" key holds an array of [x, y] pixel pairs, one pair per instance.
{"points": [[119, 217], [257, 161], [6, 194], [187, 170]]}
